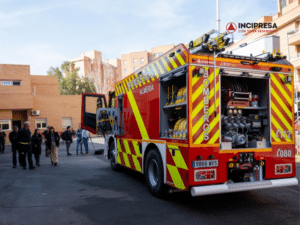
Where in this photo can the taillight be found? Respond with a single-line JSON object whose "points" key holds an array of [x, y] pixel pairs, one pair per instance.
{"points": [[283, 169]]}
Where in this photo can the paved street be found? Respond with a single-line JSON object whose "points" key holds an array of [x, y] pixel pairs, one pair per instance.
{"points": [[84, 190]]}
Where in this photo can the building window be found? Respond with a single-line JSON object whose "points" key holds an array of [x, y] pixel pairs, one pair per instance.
{"points": [[142, 61], [5, 125], [282, 3], [10, 83], [40, 123], [67, 121], [125, 71], [149, 59], [134, 61], [154, 55], [159, 54], [125, 63], [134, 69]]}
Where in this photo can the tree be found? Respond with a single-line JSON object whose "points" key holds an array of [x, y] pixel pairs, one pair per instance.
{"points": [[69, 81]]}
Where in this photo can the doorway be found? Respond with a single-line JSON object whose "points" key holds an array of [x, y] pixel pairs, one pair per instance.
{"points": [[17, 123]]}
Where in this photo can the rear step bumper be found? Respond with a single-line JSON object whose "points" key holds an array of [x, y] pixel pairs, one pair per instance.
{"points": [[247, 186]]}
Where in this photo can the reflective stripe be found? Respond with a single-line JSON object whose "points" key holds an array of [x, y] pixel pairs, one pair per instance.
{"points": [[137, 115], [175, 175], [178, 158], [136, 163], [137, 148]]}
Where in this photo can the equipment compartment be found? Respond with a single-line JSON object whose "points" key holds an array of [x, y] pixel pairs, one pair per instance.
{"points": [[173, 106], [245, 112]]}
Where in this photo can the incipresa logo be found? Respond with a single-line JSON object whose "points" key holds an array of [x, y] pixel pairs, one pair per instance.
{"points": [[231, 27], [250, 27]]}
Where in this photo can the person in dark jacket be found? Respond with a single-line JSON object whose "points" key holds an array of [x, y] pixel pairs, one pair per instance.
{"points": [[45, 134], [37, 146], [13, 138], [2, 141], [52, 142], [24, 139], [67, 137]]}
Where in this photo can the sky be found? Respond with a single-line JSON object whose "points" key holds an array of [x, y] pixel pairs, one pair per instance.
{"points": [[47, 33]]}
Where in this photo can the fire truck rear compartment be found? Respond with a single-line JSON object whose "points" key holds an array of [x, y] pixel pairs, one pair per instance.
{"points": [[173, 105], [245, 114]]}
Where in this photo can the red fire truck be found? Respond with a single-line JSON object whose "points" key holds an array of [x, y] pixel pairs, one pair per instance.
{"points": [[200, 120]]}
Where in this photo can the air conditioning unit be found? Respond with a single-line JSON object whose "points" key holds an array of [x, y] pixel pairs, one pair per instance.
{"points": [[35, 112]]}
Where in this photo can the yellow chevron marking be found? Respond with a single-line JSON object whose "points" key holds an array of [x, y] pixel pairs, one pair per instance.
{"points": [[289, 86], [131, 83], [276, 124], [154, 70], [127, 163], [172, 62], [211, 126], [215, 137], [137, 115], [281, 117], [125, 86], [122, 88], [281, 103], [274, 136], [137, 148], [159, 67], [200, 89], [176, 178], [200, 106], [136, 163], [127, 148], [283, 92], [178, 158], [201, 120], [180, 59], [117, 92], [165, 64]]}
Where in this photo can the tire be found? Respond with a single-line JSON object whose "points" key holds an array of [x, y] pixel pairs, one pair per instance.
{"points": [[154, 174], [112, 159]]}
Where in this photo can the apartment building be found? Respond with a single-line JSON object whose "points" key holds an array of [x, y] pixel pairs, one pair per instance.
{"points": [[36, 99], [135, 60], [287, 19], [103, 74]]}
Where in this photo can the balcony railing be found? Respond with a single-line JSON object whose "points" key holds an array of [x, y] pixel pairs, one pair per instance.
{"points": [[295, 56]]}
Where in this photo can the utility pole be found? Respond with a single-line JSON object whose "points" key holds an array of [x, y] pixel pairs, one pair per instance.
{"points": [[218, 15]]}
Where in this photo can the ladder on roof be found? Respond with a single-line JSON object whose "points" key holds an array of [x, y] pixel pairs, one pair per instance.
{"points": [[212, 41]]}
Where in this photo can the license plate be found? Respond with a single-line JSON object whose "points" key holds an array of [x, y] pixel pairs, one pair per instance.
{"points": [[205, 163]]}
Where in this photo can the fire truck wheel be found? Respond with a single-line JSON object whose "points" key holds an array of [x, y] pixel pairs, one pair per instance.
{"points": [[112, 158], [154, 174]]}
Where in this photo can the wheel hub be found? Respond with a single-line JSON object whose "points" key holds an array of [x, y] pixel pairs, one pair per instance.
{"points": [[153, 172]]}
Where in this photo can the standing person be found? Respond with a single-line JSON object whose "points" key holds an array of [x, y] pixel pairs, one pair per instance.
{"points": [[79, 139], [13, 138], [85, 139], [67, 137], [24, 139], [37, 146], [45, 134], [52, 142], [2, 141]]}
